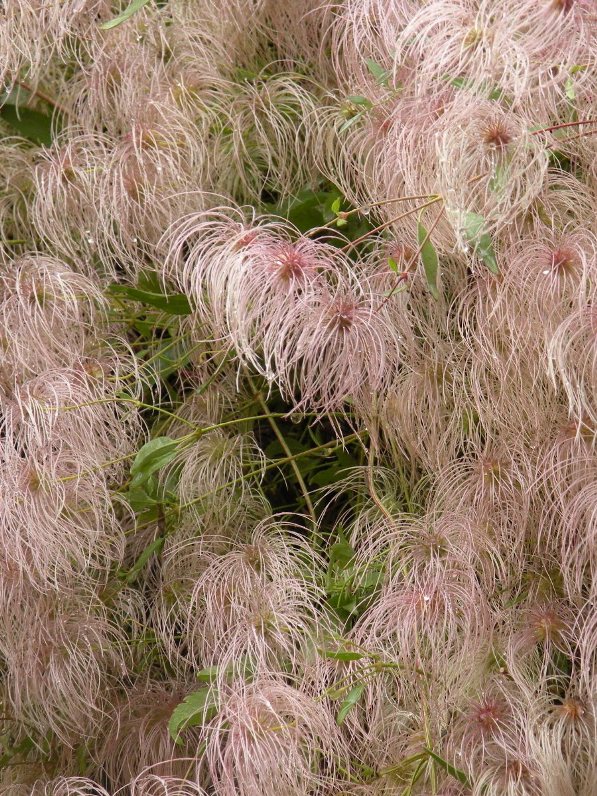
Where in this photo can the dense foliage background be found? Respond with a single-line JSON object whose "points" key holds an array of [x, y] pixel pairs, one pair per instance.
{"points": [[298, 398]]}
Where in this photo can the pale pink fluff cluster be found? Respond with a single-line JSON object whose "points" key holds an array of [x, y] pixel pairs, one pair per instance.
{"points": [[65, 438], [430, 628], [299, 312]]}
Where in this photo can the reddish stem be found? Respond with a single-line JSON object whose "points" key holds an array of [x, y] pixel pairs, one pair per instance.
{"points": [[42, 96], [573, 138], [566, 124], [386, 224], [413, 259]]}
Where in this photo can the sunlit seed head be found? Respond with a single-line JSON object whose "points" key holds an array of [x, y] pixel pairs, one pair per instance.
{"points": [[563, 6], [431, 545], [571, 710], [545, 624], [253, 555], [496, 135], [491, 470], [32, 479], [342, 315], [245, 239], [563, 261], [486, 715], [473, 37], [290, 264]]}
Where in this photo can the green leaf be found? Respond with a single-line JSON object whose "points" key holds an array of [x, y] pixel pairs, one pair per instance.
{"points": [[306, 210], [209, 674], [25, 746], [173, 304], [336, 692], [275, 449], [482, 87], [416, 776], [357, 99], [195, 709], [342, 655], [35, 126], [243, 667], [341, 553], [151, 457], [344, 605], [153, 548], [143, 496], [475, 233], [146, 329], [327, 476], [430, 260], [460, 82], [349, 122], [168, 357], [498, 94], [449, 768], [336, 205], [561, 161], [351, 700], [132, 8], [380, 74], [500, 178], [569, 88], [404, 764], [392, 265], [372, 577]]}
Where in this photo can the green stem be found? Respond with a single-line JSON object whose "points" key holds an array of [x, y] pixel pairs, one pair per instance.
{"points": [[287, 451], [373, 491], [418, 773], [258, 471], [214, 375], [123, 399]]}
